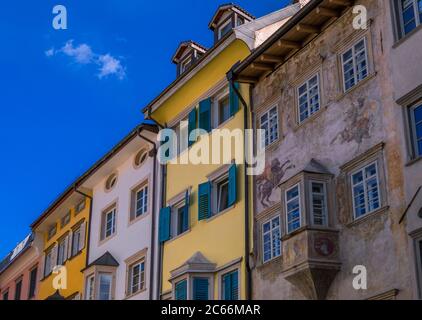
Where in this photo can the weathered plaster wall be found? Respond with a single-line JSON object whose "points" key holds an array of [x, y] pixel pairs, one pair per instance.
{"points": [[346, 126]]}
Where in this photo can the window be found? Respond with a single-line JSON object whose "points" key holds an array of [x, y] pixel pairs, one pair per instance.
{"points": [[271, 239], [65, 220], [230, 286], [355, 65], [137, 277], [76, 239], [181, 219], [200, 289], [141, 201], [181, 290], [108, 223], [223, 109], [6, 295], [222, 194], [90, 288], [104, 288], [32, 283], [52, 231], [18, 290], [411, 15], [416, 128], [80, 206], [293, 209], [309, 98], [318, 203], [365, 189], [62, 252], [48, 264], [224, 29], [185, 64], [111, 182], [141, 157], [269, 123], [239, 21]]}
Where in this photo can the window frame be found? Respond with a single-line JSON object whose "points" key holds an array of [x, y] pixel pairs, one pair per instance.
{"points": [[270, 232], [368, 66], [18, 283], [103, 225], [416, 153], [186, 63], [215, 193], [32, 287], [215, 110], [48, 254], [311, 206], [143, 186], [222, 285], [75, 231], [299, 197], [418, 21], [298, 96], [52, 231], [90, 296], [268, 112], [141, 283], [62, 248], [174, 232], [98, 291], [5, 294], [222, 26], [65, 220]]}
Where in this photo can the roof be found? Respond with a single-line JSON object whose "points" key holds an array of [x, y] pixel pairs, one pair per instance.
{"points": [[16, 253], [106, 260], [315, 167], [182, 47], [224, 7], [69, 190], [55, 296], [290, 38], [197, 263]]}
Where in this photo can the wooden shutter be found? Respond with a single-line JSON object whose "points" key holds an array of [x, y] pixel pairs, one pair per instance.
{"points": [[181, 290], [204, 199], [234, 99], [227, 287], [164, 224], [200, 289], [232, 185], [66, 248], [186, 212], [234, 285], [42, 267], [191, 125], [54, 257], [82, 236], [69, 244], [205, 115]]}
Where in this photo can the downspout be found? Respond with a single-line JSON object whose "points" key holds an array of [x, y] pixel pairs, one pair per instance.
{"points": [[247, 218], [89, 222], [154, 153]]}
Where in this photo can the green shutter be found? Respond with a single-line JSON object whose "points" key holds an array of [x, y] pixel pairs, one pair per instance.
{"points": [[232, 185], [204, 201], [191, 125], [205, 115], [185, 225], [235, 285], [234, 99], [227, 287], [200, 289], [165, 221], [181, 290]]}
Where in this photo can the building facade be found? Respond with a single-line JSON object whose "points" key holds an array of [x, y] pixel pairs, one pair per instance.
{"points": [[341, 106], [121, 233]]}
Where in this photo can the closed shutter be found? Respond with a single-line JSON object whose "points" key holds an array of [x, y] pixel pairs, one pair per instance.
{"points": [[204, 198], [186, 212], [234, 99], [181, 290], [227, 287], [42, 267], [69, 245], [54, 257], [82, 236], [65, 248], [205, 115], [164, 225], [191, 125], [235, 285], [232, 185], [200, 289]]}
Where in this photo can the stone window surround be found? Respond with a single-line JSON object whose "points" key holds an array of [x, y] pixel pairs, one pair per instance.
{"points": [[396, 24], [189, 278], [230, 267], [140, 256], [113, 204], [416, 238], [95, 271], [261, 242], [145, 181]]}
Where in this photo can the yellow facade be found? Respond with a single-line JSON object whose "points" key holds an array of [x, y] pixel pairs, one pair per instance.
{"points": [[221, 239], [73, 265]]}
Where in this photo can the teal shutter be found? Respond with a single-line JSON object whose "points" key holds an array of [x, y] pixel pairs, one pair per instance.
{"points": [[204, 201], [234, 99], [227, 287], [181, 290], [232, 185], [164, 226], [231, 286], [205, 115], [200, 289], [185, 225], [191, 124]]}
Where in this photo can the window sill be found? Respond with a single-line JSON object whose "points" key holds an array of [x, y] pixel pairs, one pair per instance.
{"points": [[368, 216], [273, 145], [178, 236], [413, 161], [220, 213], [407, 36], [106, 239], [355, 87], [275, 260], [74, 256], [137, 219], [127, 297], [310, 119]]}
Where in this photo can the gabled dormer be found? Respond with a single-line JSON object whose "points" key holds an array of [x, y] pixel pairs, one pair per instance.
{"points": [[227, 17], [186, 55]]}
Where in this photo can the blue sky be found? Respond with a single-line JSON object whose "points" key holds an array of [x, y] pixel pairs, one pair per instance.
{"points": [[68, 96]]}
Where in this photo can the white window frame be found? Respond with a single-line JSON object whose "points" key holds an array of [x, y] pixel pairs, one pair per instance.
{"points": [[99, 284], [311, 204], [175, 218], [215, 194], [104, 226], [352, 47], [48, 268], [144, 202], [413, 124], [416, 13], [286, 207], [142, 280], [185, 61], [62, 250], [362, 170], [268, 112], [307, 93], [271, 233], [90, 288], [215, 110], [77, 232], [220, 28]]}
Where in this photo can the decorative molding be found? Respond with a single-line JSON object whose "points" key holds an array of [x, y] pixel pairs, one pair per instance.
{"points": [[411, 97], [374, 151]]}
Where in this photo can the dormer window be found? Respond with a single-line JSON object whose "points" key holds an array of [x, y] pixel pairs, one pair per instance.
{"points": [[185, 64], [187, 54], [224, 29]]}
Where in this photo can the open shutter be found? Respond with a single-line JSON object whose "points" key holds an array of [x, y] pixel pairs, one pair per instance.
{"points": [[54, 257], [65, 248], [181, 290], [165, 221], [82, 236], [234, 99], [205, 115], [69, 244], [204, 198], [191, 125], [186, 212], [200, 289], [232, 185], [42, 268]]}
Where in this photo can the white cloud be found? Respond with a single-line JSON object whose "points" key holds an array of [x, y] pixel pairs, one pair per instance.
{"points": [[83, 54]]}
